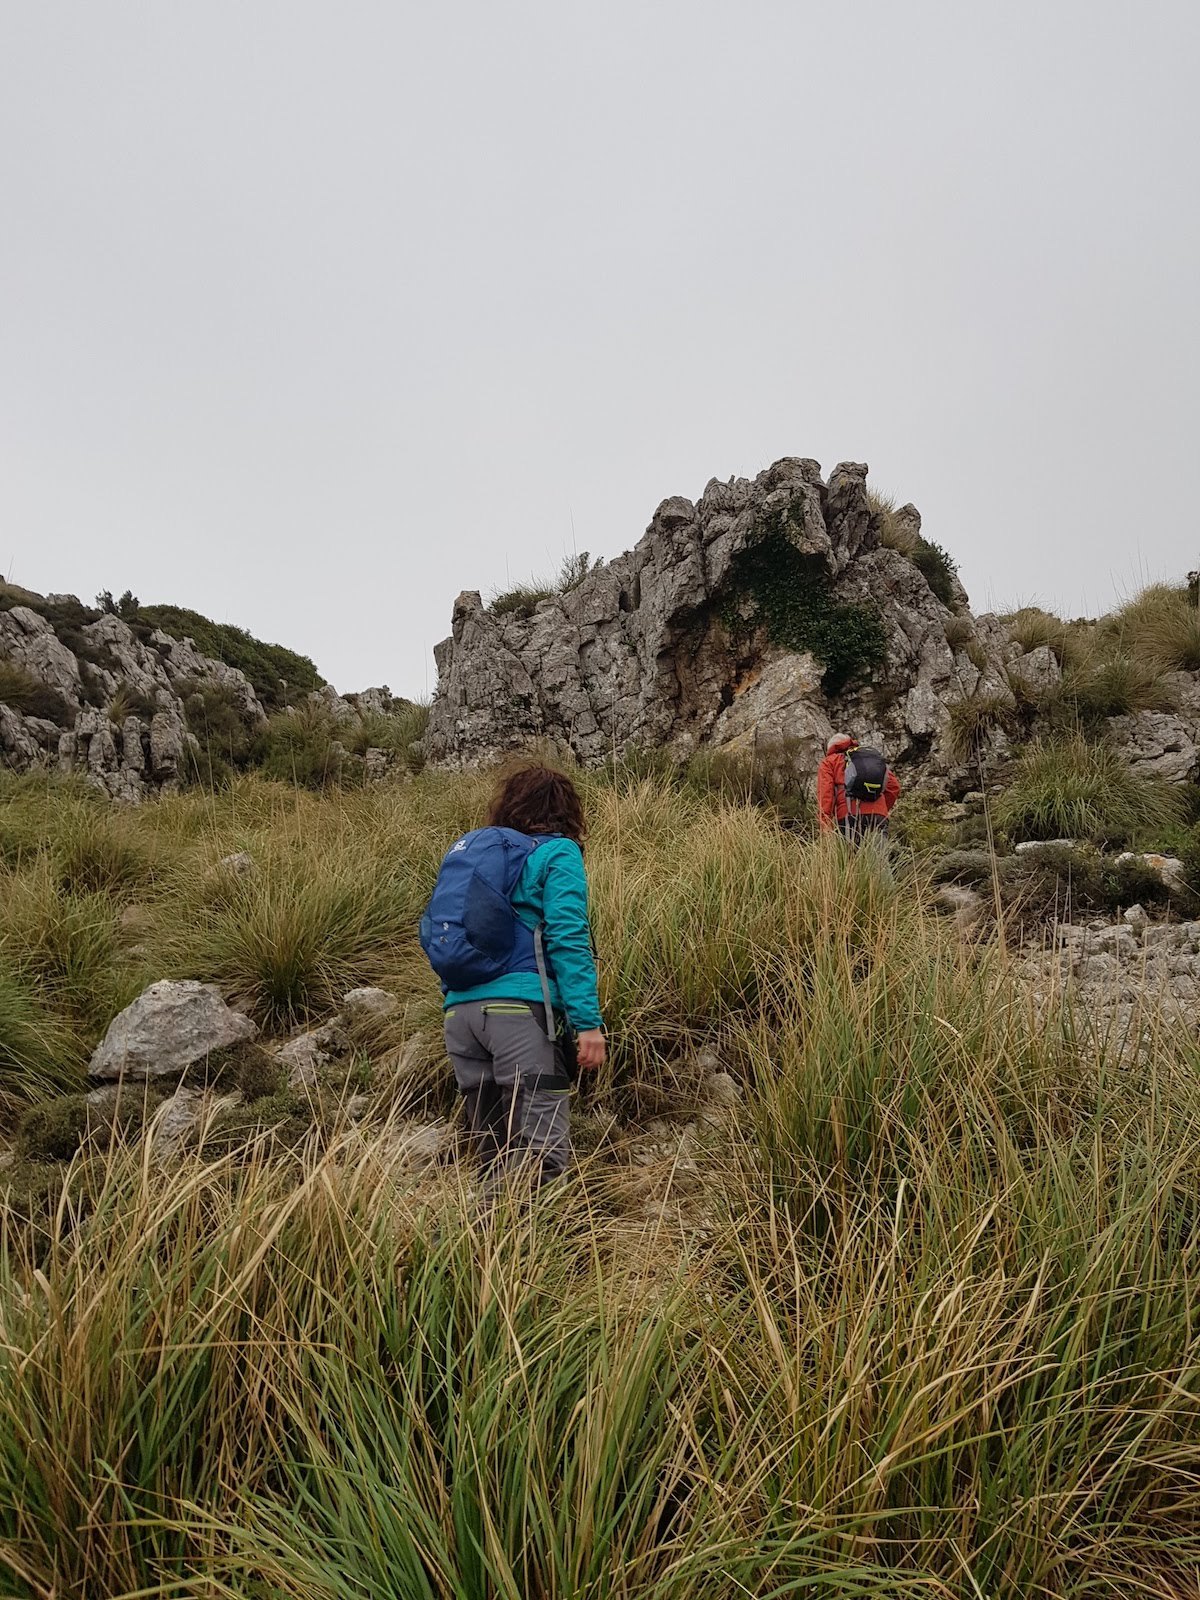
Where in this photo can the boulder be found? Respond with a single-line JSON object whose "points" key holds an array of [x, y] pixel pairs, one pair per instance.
{"points": [[1159, 744], [722, 1090], [170, 1026]]}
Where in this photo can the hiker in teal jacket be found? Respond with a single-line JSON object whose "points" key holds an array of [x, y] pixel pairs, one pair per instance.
{"points": [[513, 1064]]}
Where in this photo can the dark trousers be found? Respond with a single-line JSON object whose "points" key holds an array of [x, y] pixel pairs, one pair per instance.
{"points": [[515, 1084], [861, 825]]}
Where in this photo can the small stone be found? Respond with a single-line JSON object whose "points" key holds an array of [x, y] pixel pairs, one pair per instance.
{"points": [[1166, 936], [421, 1144], [967, 906], [1137, 919], [722, 1090], [1030, 846], [365, 1006], [239, 865], [706, 1062], [1100, 969], [1117, 940]]}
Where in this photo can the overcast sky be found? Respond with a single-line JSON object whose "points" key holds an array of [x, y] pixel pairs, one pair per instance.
{"points": [[313, 314]]}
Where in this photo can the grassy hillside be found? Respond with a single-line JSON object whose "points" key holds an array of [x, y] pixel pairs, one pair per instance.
{"points": [[918, 1319]]}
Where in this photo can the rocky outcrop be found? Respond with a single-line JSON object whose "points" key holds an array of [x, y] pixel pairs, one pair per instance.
{"points": [[112, 707], [1124, 975], [683, 643], [1164, 744]]}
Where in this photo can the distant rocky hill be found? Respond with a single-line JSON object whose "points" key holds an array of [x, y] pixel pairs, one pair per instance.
{"points": [[764, 616], [137, 710]]}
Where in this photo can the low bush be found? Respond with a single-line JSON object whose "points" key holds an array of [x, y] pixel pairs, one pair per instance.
{"points": [[770, 776], [1056, 884], [1161, 625], [55, 1130], [1116, 684], [1187, 850], [129, 701], [399, 731], [38, 1055], [971, 867], [280, 677], [960, 632], [1069, 788], [894, 532], [523, 599], [938, 567], [64, 947], [1032, 627], [224, 740], [287, 941]]}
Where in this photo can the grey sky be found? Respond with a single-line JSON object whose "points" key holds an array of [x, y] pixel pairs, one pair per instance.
{"points": [[313, 314]]}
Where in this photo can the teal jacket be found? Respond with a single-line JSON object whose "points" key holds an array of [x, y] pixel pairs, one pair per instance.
{"points": [[552, 890]]}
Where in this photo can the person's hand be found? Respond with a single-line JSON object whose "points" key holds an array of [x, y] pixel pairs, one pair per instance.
{"points": [[592, 1048]]}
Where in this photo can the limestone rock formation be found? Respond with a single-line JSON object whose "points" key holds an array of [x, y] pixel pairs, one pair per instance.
{"points": [[763, 616], [112, 707]]}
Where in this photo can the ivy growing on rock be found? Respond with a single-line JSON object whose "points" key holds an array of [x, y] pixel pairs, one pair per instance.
{"points": [[792, 596]]}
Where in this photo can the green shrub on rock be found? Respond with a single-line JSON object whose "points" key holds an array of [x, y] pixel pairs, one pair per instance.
{"points": [[938, 567], [791, 595]]}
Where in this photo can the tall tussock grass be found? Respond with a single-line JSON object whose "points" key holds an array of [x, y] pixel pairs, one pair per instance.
{"points": [[920, 1321], [951, 1353]]}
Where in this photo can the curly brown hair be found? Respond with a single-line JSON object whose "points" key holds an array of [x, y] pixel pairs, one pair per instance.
{"points": [[537, 799]]}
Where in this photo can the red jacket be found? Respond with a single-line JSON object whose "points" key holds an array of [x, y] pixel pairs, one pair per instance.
{"points": [[831, 789]]}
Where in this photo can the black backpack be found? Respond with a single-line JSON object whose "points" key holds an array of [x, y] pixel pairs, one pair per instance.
{"points": [[866, 773]]}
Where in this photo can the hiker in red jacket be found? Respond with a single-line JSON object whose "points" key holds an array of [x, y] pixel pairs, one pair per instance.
{"points": [[859, 802]]}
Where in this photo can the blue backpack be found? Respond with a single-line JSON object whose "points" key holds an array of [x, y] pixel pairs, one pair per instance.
{"points": [[470, 931]]}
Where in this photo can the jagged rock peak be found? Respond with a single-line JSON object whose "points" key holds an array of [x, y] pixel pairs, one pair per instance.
{"points": [[767, 611]]}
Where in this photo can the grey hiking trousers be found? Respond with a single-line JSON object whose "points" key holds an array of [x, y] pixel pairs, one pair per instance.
{"points": [[515, 1085]]}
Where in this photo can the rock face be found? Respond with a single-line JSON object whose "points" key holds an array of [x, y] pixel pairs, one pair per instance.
{"points": [[1126, 974], [168, 1028], [681, 643], [111, 708]]}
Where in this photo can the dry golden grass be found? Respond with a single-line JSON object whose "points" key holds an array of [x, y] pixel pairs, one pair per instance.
{"points": [[919, 1320]]}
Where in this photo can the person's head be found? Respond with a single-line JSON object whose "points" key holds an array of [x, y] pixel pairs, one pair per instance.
{"points": [[536, 799], [839, 741]]}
